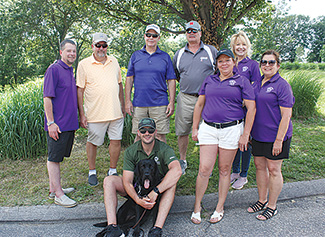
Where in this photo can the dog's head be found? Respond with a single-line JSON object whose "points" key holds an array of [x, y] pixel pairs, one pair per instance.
{"points": [[146, 176]]}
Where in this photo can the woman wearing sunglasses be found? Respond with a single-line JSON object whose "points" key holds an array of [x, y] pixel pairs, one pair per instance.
{"points": [[241, 47], [271, 133], [222, 130]]}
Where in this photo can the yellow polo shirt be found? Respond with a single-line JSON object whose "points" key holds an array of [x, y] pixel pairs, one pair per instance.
{"points": [[101, 83]]}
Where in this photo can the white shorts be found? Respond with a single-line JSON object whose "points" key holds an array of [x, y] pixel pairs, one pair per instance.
{"points": [[226, 138], [96, 131]]}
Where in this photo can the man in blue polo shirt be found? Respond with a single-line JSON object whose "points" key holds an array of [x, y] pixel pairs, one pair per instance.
{"points": [[192, 64], [61, 118], [149, 69]]}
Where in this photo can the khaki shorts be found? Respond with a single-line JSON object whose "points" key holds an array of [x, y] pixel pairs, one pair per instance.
{"points": [[157, 113], [184, 113], [226, 138], [96, 131]]}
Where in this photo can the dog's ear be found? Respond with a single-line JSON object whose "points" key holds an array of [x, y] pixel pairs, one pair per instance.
{"points": [[156, 173], [137, 172]]}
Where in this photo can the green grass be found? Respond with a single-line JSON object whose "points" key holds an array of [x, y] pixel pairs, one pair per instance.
{"points": [[25, 182]]}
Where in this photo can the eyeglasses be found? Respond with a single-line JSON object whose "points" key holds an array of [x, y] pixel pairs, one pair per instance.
{"points": [[153, 35], [271, 62], [144, 130], [192, 30], [101, 45]]}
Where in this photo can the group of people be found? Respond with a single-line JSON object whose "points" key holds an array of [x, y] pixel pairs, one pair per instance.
{"points": [[230, 109]]}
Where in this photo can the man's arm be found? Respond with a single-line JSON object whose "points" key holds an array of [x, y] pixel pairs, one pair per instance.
{"points": [[170, 179], [121, 96], [83, 119], [53, 129], [172, 92], [128, 91]]}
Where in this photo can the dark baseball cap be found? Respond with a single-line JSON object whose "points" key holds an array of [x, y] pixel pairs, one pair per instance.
{"points": [[147, 122], [227, 52]]}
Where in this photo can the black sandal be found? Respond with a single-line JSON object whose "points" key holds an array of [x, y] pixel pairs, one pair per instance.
{"points": [[257, 206], [268, 213]]}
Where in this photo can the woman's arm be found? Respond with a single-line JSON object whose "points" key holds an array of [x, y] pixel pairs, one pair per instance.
{"points": [[282, 130], [249, 120]]}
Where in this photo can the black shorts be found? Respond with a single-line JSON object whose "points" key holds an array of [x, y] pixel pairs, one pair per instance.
{"points": [[265, 149], [61, 148]]}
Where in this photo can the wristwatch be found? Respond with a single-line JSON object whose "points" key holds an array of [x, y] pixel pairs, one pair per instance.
{"points": [[156, 190], [50, 123]]}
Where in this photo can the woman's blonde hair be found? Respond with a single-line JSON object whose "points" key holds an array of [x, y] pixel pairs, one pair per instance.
{"points": [[241, 35]]}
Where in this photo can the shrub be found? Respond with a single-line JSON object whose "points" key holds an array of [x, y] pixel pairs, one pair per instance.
{"points": [[21, 122], [321, 66], [307, 88]]}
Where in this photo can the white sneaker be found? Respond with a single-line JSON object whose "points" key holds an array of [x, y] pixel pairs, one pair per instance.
{"points": [[65, 201], [233, 177], [240, 182], [65, 191], [183, 164]]}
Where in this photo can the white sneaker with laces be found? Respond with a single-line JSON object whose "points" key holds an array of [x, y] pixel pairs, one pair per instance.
{"points": [[240, 182], [65, 201], [233, 177]]}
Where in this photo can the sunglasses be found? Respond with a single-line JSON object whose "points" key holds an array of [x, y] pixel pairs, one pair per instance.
{"points": [[101, 45], [144, 130], [271, 62], [153, 35], [192, 30]]}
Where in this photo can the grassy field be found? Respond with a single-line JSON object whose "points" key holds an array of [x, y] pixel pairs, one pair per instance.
{"points": [[25, 182]]}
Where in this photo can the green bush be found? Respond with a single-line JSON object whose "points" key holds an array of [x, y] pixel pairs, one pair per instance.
{"points": [[307, 88], [321, 66], [21, 122]]}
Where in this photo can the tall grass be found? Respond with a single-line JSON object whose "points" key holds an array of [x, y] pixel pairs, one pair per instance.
{"points": [[307, 88], [21, 122]]}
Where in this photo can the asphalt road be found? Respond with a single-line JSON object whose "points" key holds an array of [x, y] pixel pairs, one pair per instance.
{"points": [[301, 212]]}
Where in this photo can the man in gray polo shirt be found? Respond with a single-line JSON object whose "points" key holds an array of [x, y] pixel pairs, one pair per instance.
{"points": [[192, 65]]}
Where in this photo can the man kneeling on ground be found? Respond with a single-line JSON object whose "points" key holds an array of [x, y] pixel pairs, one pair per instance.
{"points": [[148, 147]]}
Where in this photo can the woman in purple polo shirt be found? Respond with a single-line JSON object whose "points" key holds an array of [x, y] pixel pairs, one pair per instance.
{"points": [[222, 130], [241, 47], [271, 133]]}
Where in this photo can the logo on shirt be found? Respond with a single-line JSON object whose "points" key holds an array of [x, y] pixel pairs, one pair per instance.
{"points": [[203, 58], [157, 160], [172, 157], [269, 89], [245, 69], [232, 82]]}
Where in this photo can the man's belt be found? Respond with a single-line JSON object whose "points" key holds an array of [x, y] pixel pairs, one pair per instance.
{"points": [[192, 94], [224, 125]]}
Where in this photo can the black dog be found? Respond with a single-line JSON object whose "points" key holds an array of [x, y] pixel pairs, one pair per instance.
{"points": [[130, 215]]}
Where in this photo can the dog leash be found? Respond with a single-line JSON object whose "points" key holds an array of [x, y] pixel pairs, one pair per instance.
{"points": [[144, 212]]}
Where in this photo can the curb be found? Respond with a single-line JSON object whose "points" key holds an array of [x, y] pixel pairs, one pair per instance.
{"points": [[182, 204]]}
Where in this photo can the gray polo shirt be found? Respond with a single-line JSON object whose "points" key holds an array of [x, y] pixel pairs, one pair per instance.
{"points": [[192, 69]]}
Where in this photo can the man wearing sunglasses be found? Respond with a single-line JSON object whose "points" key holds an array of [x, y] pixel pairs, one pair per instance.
{"points": [[101, 103], [149, 70], [148, 147], [192, 65]]}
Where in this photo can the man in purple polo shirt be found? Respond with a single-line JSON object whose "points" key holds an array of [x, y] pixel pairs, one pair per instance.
{"points": [[149, 69], [61, 118]]}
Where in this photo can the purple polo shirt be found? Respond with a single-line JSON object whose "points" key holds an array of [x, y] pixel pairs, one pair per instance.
{"points": [[60, 85], [249, 68], [274, 93], [150, 73], [224, 99]]}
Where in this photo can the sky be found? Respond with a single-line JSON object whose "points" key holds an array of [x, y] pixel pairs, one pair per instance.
{"points": [[312, 8]]}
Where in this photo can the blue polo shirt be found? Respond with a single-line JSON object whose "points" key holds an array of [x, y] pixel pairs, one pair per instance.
{"points": [[60, 85], [224, 99], [274, 93], [249, 68], [150, 73]]}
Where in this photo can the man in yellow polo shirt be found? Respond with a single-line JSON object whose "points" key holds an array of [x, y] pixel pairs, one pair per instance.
{"points": [[101, 103]]}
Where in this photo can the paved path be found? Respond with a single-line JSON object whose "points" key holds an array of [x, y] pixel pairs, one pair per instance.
{"points": [[301, 213]]}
